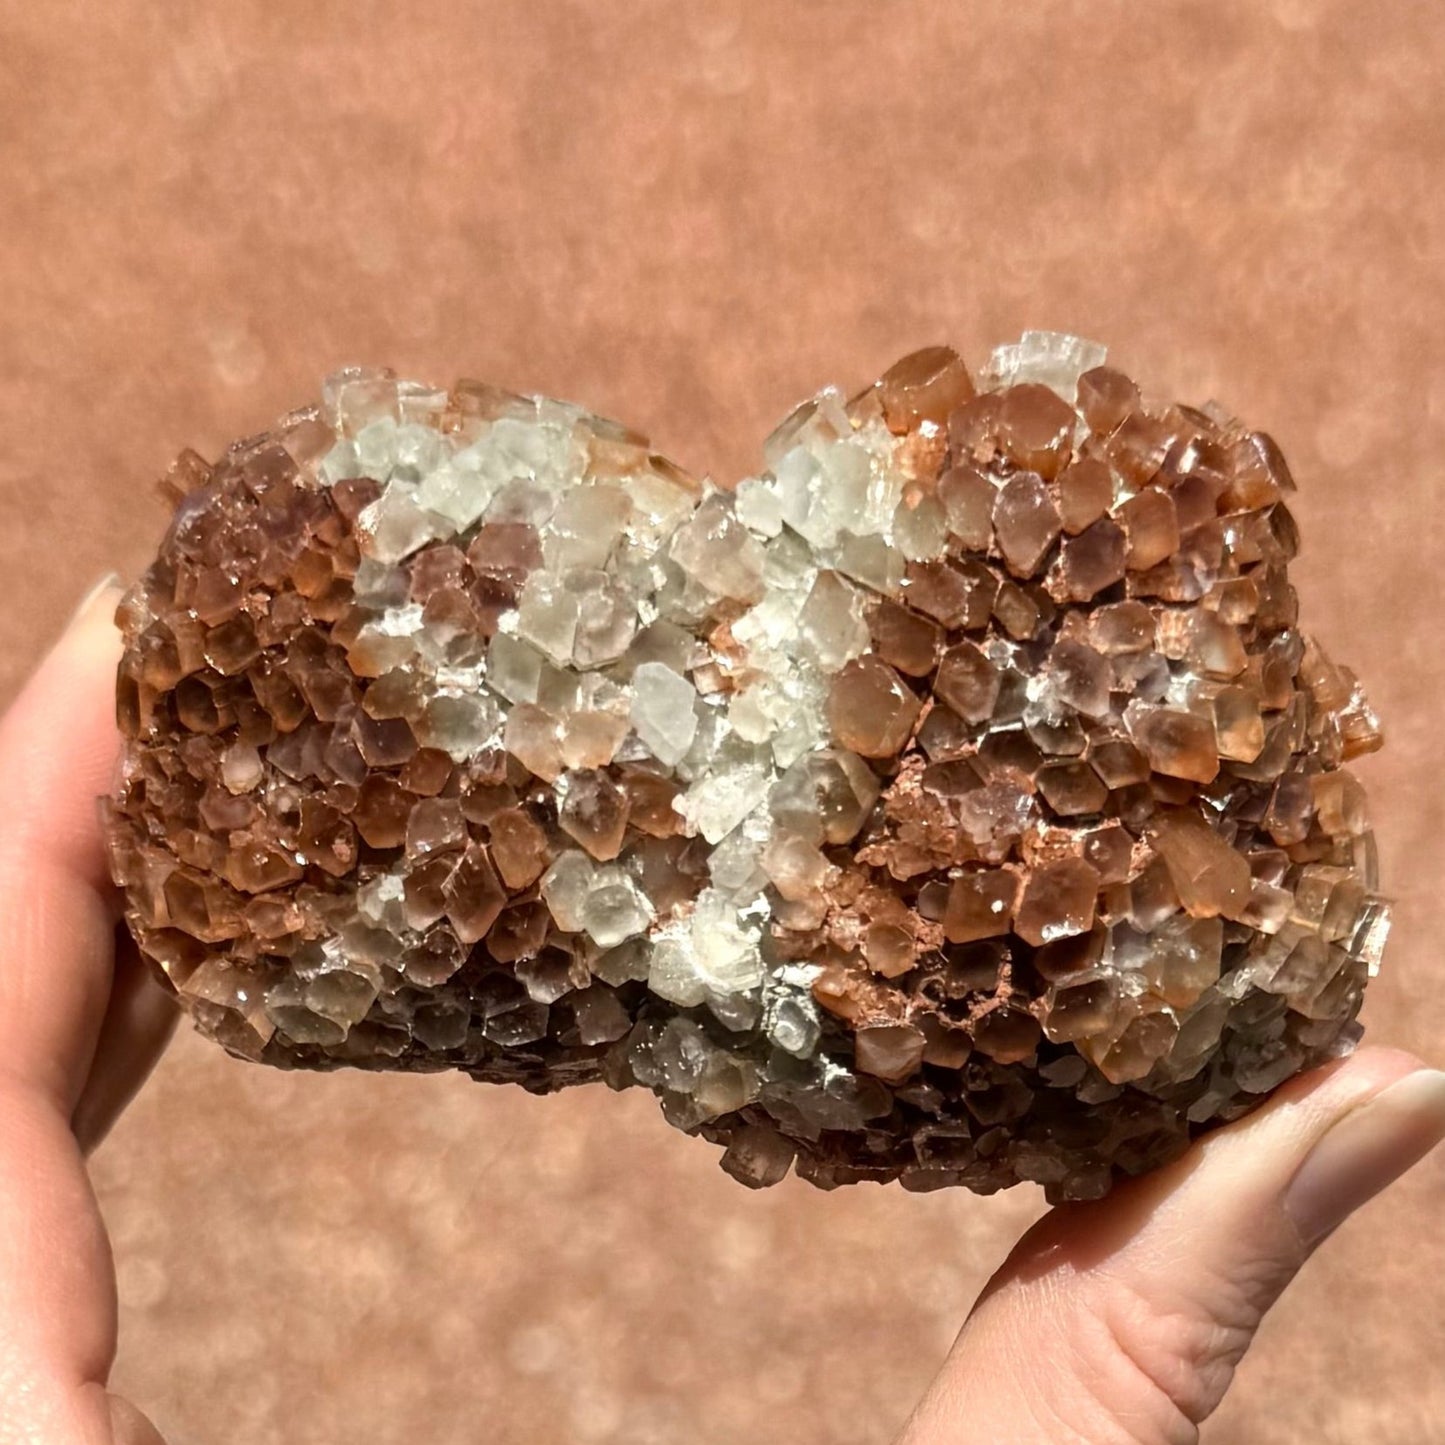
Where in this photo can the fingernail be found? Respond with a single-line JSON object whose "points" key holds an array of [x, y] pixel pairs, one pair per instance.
{"points": [[1366, 1150], [110, 583]]}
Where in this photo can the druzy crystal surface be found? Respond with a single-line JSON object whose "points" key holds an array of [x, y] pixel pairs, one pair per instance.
{"points": [[955, 801]]}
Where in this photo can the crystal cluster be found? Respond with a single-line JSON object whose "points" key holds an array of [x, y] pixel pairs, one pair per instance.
{"points": [[955, 801]]}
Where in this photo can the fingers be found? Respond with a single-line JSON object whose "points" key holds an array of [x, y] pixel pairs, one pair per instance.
{"points": [[138, 1023], [57, 755], [57, 917], [1124, 1320]]}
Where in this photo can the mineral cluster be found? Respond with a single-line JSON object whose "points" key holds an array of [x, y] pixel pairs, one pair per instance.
{"points": [[956, 801]]}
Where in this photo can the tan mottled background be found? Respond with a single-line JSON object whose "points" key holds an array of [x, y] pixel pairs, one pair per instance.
{"points": [[690, 215]]}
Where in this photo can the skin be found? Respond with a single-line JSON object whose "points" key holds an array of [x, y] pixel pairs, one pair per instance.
{"points": [[1120, 1321]]}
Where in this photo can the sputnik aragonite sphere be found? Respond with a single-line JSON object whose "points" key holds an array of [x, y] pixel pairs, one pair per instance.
{"points": [[956, 801]]}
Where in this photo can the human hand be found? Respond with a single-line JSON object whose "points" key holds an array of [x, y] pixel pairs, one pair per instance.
{"points": [[81, 1024], [1121, 1322], [1117, 1321]]}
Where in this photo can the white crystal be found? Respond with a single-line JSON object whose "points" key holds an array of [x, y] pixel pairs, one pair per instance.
{"points": [[564, 889], [823, 419], [241, 768], [606, 619], [750, 713], [873, 562], [920, 530], [718, 802], [394, 525], [398, 621], [735, 865], [375, 448], [614, 909], [831, 623], [340, 463], [714, 549], [759, 508], [728, 959], [460, 725], [380, 584], [379, 902], [586, 526], [523, 499], [416, 451], [663, 711], [672, 969], [659, 505], [547, 614], [1051, 358], [514, 669], [459, 495], [793, 1023]]}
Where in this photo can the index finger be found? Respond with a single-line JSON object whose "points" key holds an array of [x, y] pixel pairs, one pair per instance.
{"points": [[58, 748]]}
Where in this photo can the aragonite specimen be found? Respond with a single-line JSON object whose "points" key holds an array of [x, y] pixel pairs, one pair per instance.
{"points": [[956, 801]]}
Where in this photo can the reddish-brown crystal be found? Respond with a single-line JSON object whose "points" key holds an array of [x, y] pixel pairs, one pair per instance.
{"points": [[1151, 528], [889, 1051], [1176, 743], [925, 386], [905, 639], [1057, 901], [980, 905], [1036, 427], [1025, 522], [1091, 562], [1086, 491], [1106, 397], [968, 682], [872, 712]]}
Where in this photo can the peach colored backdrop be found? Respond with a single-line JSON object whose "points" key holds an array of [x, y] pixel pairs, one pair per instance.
{"points": [[691, 215]]}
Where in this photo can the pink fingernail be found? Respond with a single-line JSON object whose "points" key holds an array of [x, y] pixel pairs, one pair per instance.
{"points": [[1366, 1150], [109, 583]]}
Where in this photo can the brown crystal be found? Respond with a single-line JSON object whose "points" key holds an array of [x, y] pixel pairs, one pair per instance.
{"points": [[1025, 523], [1106, 397], [871, 711], [1151, 528], [1209, 876], [1178, 744], [889, 1051], [968, 682], [925, 386], [1036, 427], [594, 812], [1086, 491], [980, 905], [1092, 561], [956, 594], [904, 639], [1057, 901]]}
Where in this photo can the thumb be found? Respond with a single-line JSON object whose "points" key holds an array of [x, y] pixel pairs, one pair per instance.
{"points": [[1123, 1320]]}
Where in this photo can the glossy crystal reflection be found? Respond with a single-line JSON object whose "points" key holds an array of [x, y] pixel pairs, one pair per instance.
{"points": [[956, 801]]}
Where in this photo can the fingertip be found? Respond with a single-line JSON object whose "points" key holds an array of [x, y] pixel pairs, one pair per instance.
{"points": [[1292, 1119], [1364, 1150], [99, 603], [138, 1024], [128, 1426]]}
